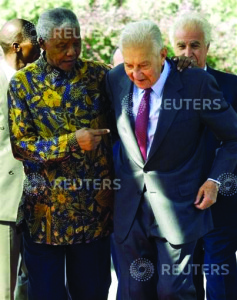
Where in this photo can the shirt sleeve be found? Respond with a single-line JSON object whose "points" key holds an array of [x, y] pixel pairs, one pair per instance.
{"points": [[27, 143]]}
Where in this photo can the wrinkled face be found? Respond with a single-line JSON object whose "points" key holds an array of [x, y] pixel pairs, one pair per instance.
{"points": [[189, 41], [63, 48], [142, 66]]}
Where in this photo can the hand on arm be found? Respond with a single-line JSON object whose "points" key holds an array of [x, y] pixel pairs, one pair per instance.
{"points": [[207, 195]]}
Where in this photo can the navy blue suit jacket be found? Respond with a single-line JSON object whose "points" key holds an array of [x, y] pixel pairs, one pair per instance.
{"points": [[175, 168], [224, 211]]}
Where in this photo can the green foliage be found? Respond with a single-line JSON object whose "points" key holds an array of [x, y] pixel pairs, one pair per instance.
{"points": [[102, 21]]}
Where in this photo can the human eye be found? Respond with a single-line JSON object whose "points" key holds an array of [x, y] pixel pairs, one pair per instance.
{"points": [[144, 66], [181, 47], [195, 45], [61, 46], [77, 44], [128, 66]]}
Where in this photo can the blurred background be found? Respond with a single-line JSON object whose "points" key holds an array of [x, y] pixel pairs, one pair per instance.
{"points": [[102, 21]]}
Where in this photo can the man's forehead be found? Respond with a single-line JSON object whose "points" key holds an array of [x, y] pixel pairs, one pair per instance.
{"points": [[188, 41], [190, 32], [140, 52]]}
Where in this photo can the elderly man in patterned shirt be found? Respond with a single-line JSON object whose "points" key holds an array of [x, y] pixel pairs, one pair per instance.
{"points": [[58, 129]]}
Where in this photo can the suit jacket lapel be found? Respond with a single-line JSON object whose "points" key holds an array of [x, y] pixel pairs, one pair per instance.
{"points": [[126, 120], [170, 103]]}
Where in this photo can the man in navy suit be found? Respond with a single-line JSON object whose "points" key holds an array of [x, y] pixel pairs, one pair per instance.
{"points": [[162, 207], [191, 36]]}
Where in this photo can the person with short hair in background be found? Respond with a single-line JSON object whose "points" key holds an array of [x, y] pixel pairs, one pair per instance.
{"points": [[190, 36], [117, 57], [19, 43]]}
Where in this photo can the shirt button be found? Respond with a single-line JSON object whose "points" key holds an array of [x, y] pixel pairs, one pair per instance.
{"points": [[2, 127], [11, 172]]}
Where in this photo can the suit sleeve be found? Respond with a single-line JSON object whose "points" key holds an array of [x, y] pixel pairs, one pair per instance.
{"points": [[221, 119], [110, 112]]}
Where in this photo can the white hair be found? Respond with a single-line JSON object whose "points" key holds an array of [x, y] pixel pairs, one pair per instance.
{"points": [[139, 34], [55, 18], [191, 19]]}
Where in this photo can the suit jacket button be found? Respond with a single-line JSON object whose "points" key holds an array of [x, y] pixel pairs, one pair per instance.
{"points": [[11, 173], [2, 128]]}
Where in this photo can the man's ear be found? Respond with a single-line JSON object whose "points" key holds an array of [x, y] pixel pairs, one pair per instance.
{"points": [[42, 44], [163, 53], [208, 45], [16, 47]]}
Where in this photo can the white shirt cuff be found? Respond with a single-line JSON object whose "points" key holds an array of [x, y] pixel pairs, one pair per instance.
{"points": [[218, 182]]}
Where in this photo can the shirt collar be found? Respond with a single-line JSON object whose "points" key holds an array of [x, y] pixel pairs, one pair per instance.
{"points": [[159, 85]]}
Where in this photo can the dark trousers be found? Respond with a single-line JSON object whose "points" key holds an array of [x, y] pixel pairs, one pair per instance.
{"points": [[152, 268], [198, 272], [87, 270], [217, 253], [220, 246]]}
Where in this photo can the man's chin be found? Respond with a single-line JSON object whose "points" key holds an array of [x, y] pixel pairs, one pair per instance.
{"points": [[67, 69], [142, 84], [68, 66]]}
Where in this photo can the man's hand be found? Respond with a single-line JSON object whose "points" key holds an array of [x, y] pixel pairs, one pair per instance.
{"points": [[207, 195], [184, 62], [88, 139]]}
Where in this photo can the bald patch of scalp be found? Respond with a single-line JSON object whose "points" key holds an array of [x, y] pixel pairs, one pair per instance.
{"points": [[16, 31]]}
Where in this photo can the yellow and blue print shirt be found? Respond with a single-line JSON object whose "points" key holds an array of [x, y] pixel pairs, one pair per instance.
{"points": [[67, 196]]}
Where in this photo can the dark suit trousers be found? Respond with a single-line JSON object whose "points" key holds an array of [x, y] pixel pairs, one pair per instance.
{"points": [[219, 261], [220, 246], [151, 268], [87, 270]]}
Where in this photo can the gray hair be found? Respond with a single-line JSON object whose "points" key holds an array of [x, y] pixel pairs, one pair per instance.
{"points": [[140, 33], [55, 18], [191, 19]]}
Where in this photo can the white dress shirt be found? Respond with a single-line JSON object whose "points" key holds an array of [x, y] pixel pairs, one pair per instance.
{"points": [[8, 70], [155, 103]]}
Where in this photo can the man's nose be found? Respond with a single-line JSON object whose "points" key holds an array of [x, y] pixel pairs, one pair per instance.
{"points": [[71, 51], [188, 52], [137, 74]]}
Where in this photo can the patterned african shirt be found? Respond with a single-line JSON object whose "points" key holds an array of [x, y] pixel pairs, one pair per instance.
{"points": [[68, 194]]}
